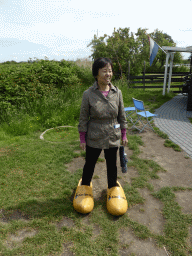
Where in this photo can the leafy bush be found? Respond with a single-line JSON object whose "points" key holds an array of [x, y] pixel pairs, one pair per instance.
{"points": [[84, 73], [41, 94], [30, 81], [18, 86]]}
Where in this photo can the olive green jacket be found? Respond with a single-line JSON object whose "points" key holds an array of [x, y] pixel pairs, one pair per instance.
{"points": [[100, 114]]}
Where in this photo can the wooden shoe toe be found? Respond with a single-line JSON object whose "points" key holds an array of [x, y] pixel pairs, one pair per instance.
{"points": [[83, 200], [116, 200]]}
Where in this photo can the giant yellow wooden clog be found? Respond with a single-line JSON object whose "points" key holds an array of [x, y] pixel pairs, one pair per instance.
{"points": [[83, 200], [116, 200]]}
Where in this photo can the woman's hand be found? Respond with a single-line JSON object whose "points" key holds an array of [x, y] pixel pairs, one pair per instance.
{"points": [[83, 146], [124, 142]]}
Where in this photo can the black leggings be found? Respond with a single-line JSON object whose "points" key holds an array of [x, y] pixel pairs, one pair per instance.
{"points": [[92, 154]]}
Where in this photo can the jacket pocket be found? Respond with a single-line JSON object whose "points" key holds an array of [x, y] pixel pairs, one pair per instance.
{"points": [[117, 133], [95, 131]]}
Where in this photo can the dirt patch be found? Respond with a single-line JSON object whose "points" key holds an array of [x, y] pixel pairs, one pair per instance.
{"points": [[96, 228], [149, 213], [67, 250], [65, 222], [178, 167], [138, 246], [5, 217], [15, 240], [183, 198]]}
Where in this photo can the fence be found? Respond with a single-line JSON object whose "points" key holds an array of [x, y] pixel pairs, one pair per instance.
{"points": [[158, 77]]}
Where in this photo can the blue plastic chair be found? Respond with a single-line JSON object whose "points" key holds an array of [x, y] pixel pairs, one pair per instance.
{"points": [[129, 111], [140, 106]]}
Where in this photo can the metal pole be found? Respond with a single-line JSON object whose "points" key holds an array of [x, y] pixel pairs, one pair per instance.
{"points": [[170, 70], [165, 75], [162, 49]]}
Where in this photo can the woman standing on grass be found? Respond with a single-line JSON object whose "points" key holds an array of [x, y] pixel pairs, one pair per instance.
{"points": [[102, 122]]}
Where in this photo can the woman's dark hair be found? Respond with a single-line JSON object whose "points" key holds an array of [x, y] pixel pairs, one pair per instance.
{"points": [[100, 63]]}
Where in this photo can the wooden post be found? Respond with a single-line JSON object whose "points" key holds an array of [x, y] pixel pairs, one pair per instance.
{"points": [[144, 77]]}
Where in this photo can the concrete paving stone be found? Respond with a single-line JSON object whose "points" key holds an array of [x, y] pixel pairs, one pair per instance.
{"points": [[188, 152], [178, 140], [188, 142], [174, 137], [173, 120], [178, 129], [182, 141]]}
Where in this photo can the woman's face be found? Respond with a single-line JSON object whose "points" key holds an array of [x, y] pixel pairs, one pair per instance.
{"points": [[104, 75]]}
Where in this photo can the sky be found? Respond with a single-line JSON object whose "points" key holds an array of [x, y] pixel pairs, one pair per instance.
{"points": [[62, 29]]}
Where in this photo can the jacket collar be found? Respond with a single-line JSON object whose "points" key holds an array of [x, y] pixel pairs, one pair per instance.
{"points": [[95, 86]]}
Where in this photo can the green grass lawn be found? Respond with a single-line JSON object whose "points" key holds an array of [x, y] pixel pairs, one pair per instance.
{"points": [[36, 185]]}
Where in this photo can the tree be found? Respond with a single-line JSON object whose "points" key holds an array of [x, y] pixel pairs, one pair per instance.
{"points": [[122, 46], [143, 44]]}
